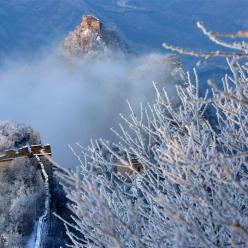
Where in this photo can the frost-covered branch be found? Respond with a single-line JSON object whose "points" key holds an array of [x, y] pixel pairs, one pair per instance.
{"points": [[242, 46], [202, 53], [173, 179]]}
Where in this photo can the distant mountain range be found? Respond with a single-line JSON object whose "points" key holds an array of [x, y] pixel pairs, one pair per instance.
{"points": [[26, 25]]}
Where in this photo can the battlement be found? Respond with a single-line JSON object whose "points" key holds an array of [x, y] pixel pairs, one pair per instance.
{"points": [[27, 151]]}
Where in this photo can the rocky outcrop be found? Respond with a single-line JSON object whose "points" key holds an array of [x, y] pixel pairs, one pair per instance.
{"points": [[91, 36]]}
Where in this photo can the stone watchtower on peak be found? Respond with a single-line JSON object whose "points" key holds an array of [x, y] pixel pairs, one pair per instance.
{"points": [[91, 23], [91, 36]]}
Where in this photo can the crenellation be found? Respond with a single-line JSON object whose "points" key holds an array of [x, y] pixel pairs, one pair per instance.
{"points": [[36, 149], [9, 155], [24, 151], [47, 149]]}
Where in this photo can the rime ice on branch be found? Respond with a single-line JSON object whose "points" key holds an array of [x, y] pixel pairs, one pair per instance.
{"points": [[192, 188], [241, 47]]}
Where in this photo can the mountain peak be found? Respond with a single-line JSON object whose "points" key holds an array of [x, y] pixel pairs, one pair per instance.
{"points": [[91, 36]]}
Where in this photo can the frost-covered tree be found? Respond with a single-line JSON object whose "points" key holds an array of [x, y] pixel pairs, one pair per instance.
{"points": [[13, 136], [172, 180]]}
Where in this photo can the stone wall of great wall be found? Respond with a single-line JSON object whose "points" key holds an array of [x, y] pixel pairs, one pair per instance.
{"points": [[27, 151]]}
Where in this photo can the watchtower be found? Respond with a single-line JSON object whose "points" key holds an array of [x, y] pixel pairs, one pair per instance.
{"points": [[91, 23]]}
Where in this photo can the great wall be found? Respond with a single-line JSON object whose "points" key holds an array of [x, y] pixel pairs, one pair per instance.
{"points": [[41, 154]]}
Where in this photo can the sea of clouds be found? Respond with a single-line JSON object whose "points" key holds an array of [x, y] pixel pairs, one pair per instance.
{"points": [[76, 100]]}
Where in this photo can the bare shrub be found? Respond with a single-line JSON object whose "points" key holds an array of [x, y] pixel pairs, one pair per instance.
{"points": [[192, 189]]}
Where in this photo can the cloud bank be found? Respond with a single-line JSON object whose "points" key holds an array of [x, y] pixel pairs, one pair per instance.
{"points": [[71, 101]]}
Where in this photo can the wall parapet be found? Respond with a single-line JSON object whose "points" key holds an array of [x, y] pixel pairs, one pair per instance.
{"points": [[44, 220], [8, 156]]}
